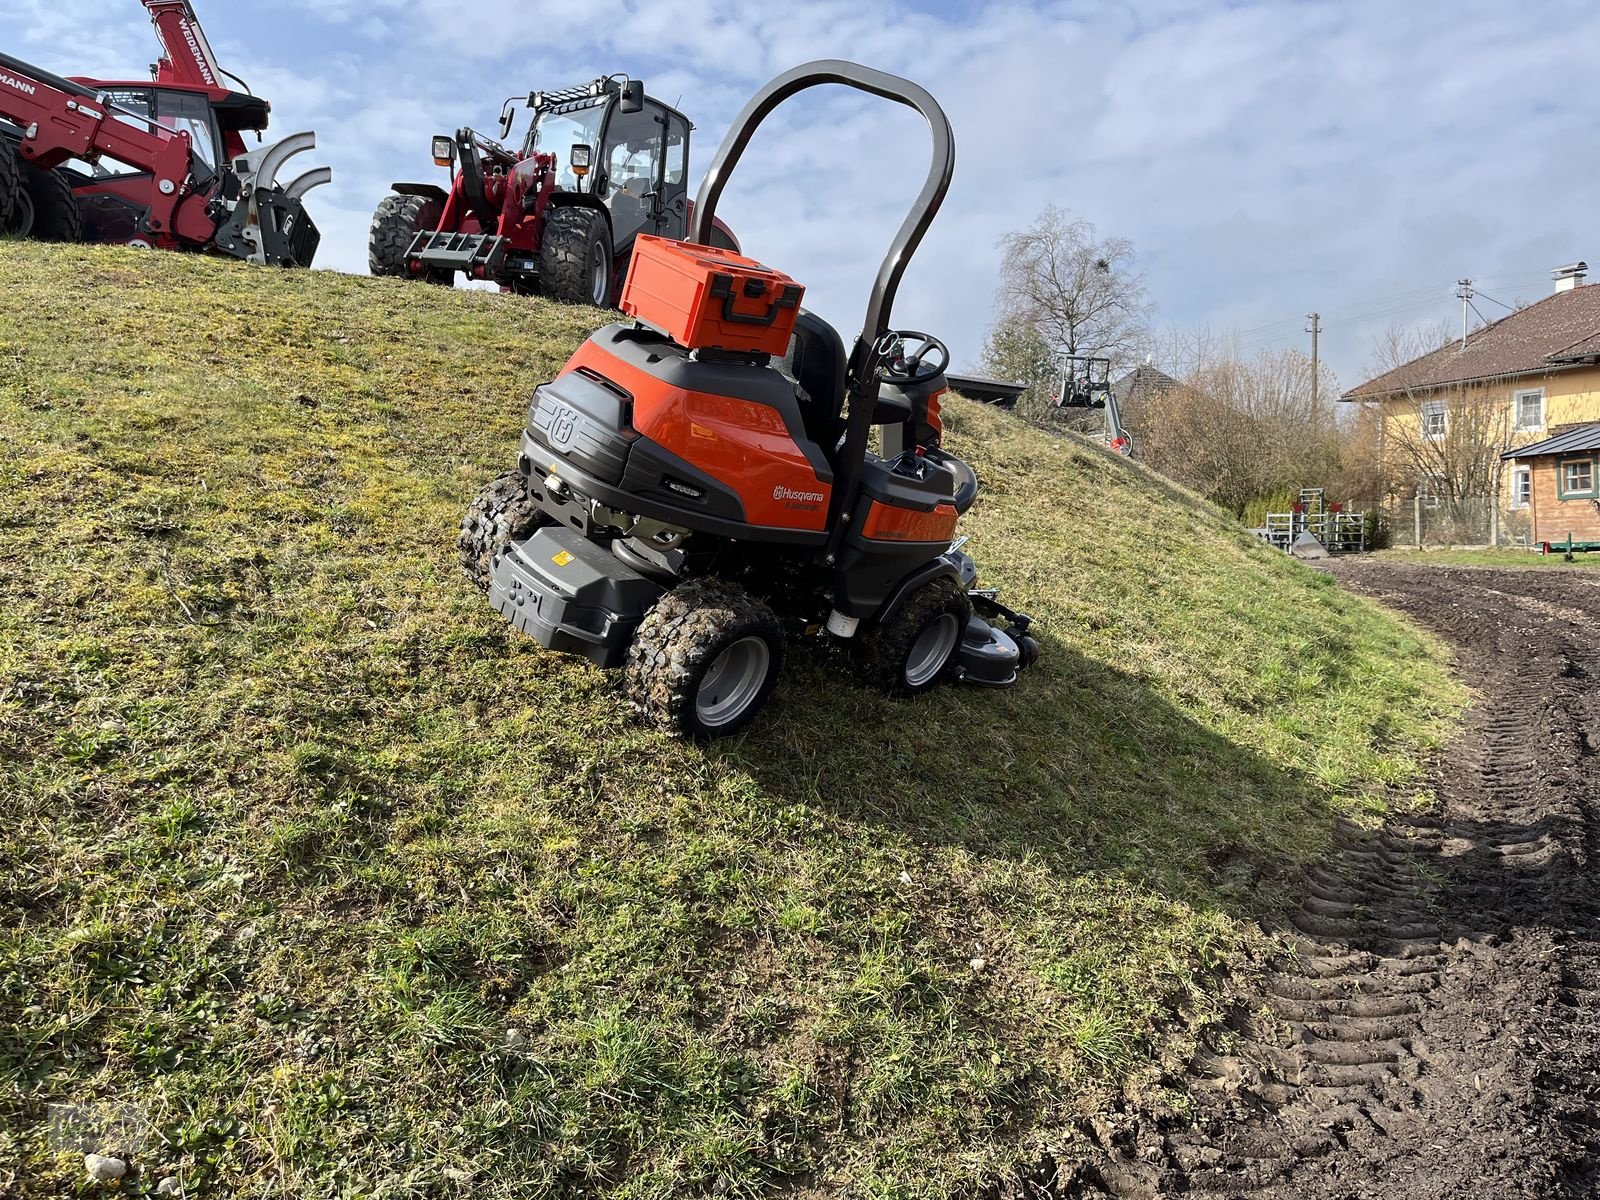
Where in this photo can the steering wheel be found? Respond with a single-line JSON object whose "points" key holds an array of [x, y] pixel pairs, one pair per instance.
{"points": [[925, 362]]}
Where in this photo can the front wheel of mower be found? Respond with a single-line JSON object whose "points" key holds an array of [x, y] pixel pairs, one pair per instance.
{"points": [[395, 226], [503, 513], [916, 648], [575, 257], [49, 210], [705, 659]]}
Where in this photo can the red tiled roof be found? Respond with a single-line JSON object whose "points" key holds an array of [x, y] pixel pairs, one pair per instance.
{"points": [[1578, 351], [1561, 330]]}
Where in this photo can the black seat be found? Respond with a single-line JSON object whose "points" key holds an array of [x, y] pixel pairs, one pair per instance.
{"points": [[816, 362]]}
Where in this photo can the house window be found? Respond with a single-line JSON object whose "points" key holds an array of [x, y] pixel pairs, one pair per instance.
{"points": [[1433, 420], [1578, 479], [1430, 490], [1521, 487], [1528, 409]]}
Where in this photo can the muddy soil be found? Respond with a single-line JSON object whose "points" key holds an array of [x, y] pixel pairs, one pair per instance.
{"points": [[1436, 1030]]}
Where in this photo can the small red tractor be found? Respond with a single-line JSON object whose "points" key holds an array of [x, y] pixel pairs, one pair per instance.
{"points": [[160, 162], [600, 165]]}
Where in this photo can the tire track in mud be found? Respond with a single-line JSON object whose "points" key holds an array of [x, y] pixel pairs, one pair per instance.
{"points": [[1435, 1028]]}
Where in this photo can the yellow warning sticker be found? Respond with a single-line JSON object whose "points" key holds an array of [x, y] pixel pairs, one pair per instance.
{"points": [[562, 559]]}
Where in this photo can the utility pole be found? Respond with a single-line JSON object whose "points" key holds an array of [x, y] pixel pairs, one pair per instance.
{"points": [[1315, 330], [1464, 294]]}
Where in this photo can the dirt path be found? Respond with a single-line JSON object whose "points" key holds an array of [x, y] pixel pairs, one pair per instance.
{"points": [[1437, 1032]]}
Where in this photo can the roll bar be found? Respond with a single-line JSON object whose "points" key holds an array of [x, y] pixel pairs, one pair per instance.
{"points": [[866, 79], [861, 380]]}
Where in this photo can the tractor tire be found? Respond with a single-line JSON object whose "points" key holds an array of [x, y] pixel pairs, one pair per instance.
{"points": [[395, 226], [705, 660], [575, 257], [502, 513], [917, 648], [49, 210], [10, 184]]}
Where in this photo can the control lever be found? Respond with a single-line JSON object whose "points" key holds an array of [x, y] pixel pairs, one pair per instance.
{"points": [[911, 463]]}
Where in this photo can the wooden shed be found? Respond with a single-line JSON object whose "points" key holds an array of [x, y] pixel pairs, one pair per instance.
{"points": [[1558, 480]]}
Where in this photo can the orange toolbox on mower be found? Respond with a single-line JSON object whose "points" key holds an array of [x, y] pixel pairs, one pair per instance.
{"points": [[704, 298]]}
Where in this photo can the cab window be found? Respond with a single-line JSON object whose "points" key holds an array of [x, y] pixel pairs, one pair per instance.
{"points": [[633, 150], [180, 112], [677, 151]]}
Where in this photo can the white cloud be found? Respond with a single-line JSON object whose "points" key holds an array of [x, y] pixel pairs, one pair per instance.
{"points": [[1266, 158]]}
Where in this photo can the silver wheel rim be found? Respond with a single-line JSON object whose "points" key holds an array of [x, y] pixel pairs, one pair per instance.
{"points": [[932, 649], [734, 681], [599, 281]]}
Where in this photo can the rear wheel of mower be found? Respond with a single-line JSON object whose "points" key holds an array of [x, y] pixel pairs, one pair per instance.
{"points": [[915, 649], [49, 210], [502, 513], [395, 226], [575, 257], [705, 659], [10, 185]]}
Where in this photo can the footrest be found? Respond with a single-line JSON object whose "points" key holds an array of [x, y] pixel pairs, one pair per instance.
{"points": [[478, 254]]}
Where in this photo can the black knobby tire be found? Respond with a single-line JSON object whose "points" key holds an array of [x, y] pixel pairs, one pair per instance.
{"points": [[56, 217], [696, 627], [503, 513], [884, 656], [10, 184], [395, 226], [575, 257]]}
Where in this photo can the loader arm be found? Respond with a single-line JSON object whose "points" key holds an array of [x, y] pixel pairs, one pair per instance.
{"points": [[61, 120], [187, 55]]}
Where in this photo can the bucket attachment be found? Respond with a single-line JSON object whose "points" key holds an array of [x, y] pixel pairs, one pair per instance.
{"points": [[269, 223]]}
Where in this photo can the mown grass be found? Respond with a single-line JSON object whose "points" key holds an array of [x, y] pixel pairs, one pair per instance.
{"points": [[1492, 557], [317, 880]]}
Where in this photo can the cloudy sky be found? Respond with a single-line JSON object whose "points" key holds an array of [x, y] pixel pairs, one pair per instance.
{"points": [[1266, 158]]}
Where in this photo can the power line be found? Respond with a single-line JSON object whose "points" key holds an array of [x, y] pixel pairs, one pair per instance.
{"points": [[1394, 304]]}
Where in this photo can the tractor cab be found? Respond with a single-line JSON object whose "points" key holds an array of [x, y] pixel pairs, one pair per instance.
{"points": [[620, 150]]}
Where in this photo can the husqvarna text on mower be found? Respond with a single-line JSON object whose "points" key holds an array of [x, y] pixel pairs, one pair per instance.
{"points": [[697, 484]]}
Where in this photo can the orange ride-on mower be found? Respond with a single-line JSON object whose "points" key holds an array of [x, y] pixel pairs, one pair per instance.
{"points": [[696, 484]]}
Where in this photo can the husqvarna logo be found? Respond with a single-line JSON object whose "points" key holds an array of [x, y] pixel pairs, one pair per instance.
{"points": [[784, 493], [562, 424]]}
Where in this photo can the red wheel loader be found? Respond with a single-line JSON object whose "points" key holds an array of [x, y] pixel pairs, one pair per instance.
{"points": [[157, 163], [601, 164]]}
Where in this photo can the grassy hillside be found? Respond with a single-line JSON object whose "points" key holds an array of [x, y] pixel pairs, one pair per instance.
{"points": [[317, 880]]}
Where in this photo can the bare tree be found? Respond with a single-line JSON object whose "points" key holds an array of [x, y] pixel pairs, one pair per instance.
{"points": [[1081, 293], [1234, 428], [1447, 440], [1441, 444]]}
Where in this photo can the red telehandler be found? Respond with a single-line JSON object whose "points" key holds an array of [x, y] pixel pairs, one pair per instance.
{"points": [[601, 165], [157, 163]]}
